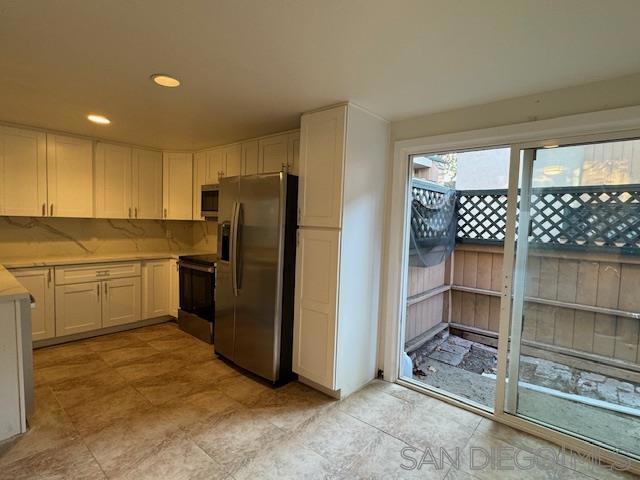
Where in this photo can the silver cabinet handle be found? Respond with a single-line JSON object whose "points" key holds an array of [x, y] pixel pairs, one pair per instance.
{"points": [[165, 213], [98, 290], [129, 212], [44, 209], [106, 290], [49, 277], [136, 212], [51, 210]]}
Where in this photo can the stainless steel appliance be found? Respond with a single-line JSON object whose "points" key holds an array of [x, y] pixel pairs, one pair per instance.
{"points": [[256, 273], [209, 200], [197, 293]]}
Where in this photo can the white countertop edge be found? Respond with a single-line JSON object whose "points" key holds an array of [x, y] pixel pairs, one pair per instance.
{"points": [[10, 288], [52, 261]]}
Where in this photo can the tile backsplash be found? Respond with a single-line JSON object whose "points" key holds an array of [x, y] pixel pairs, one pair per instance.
{"points": [[27, 236]]}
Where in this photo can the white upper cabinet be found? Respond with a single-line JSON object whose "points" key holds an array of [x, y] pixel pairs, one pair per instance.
{"points": [[322, 150], [215, 165], [199, 179], [69, 176], [233, 160], [147, 184], [178, 186], [113, 181], [250, 156], [293, 152], [23, 172], [273, 153]]}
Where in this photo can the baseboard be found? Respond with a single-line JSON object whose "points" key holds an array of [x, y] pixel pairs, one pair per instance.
{"points": [[103, 331], [316, 386]]}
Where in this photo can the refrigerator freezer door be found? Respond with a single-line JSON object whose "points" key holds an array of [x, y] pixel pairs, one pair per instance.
{"points": [[258, 305], [224, 327]]}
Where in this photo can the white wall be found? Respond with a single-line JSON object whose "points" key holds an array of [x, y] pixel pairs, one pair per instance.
{"points": [[604, 95]]}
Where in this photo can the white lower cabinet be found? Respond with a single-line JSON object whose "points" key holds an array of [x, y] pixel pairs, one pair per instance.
{"points": [[39, 283], [156, 292], [91, 297], [174, 288], [120, 301], [73, 299], [315, 323], [78, 308]]}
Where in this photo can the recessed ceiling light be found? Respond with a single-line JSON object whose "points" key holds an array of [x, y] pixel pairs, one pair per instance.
{"points": [[551, 146], [101, 119], [165, 80]]}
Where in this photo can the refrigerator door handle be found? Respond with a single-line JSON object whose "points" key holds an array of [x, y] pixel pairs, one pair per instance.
{"points": [[234, 247]]}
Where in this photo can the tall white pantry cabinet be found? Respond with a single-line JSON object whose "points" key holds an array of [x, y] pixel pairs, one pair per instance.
{"points": [[343, 166]]}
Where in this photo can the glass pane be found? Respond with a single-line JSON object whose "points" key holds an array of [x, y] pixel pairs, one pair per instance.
{"points": [[576, 310], [458, 217]]}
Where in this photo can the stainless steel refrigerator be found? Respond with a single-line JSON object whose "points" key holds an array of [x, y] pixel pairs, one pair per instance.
{"points": [[255, 273]]}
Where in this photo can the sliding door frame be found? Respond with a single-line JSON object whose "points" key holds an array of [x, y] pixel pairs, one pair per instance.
{"points": [[583, 128]]}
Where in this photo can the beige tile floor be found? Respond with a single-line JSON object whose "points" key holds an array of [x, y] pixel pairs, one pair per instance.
{"points": [[156, 403]]}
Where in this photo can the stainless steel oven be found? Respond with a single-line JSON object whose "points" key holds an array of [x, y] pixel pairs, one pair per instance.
{"points": [[209, 197], [197, 295]]}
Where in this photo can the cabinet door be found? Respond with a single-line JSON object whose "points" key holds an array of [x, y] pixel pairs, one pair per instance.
{"points": [[23, 172], [315, 326], [113, 181], [293, 152], [69, 176], [155, 288], [39, 283], [199, 179], [147, 184], [78, 308], [215, 166], [178, 185], [250, 154], [322, 149], [120, 301], [174, 288], [273, 153], [233, 160]]}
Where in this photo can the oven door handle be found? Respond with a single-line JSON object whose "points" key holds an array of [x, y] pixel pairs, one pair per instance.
{"points": [[199, 268]]}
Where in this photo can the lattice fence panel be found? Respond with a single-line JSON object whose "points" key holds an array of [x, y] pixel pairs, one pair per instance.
{"points": [[482, 216], [572, 217], [430, 195]]}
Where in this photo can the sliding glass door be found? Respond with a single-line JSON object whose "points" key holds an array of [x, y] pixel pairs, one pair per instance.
{"points": [[574, 351]]}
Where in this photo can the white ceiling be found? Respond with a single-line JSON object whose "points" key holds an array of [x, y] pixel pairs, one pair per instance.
{"points": [[250, 67]]}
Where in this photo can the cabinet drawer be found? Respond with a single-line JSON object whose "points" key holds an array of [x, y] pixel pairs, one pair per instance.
{"points": [[66, 275]]}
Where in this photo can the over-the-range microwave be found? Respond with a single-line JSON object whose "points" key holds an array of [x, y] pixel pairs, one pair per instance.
{"points": [[209, 198]]}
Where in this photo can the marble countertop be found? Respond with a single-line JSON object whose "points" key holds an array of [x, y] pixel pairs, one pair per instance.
{"points": [[51, 261], [10, 288]]}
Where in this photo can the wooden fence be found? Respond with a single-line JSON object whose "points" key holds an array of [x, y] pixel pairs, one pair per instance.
{"points": [[579, 301]]}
